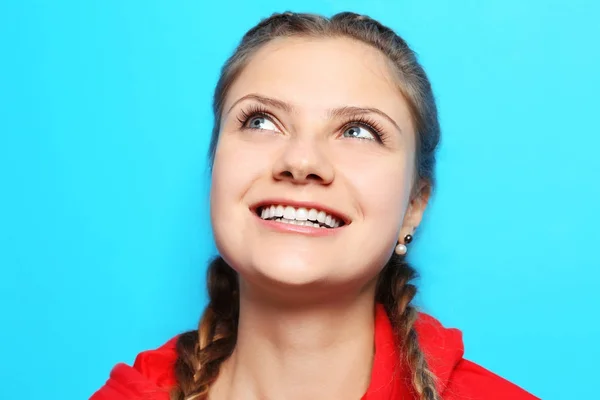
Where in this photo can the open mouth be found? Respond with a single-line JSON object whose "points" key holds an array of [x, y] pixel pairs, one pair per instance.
{"points": [[300, 216]]}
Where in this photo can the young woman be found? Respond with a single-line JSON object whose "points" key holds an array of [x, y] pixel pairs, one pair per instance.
{"points": [[323, 154]]}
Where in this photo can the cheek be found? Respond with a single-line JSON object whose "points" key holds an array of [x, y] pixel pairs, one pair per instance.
{"points": [[379, 183], [236, 167], [228, 179], [384, 195], [227, 186]]}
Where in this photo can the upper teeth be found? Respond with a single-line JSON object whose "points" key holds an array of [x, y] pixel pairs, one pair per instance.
{"points": [[299, 216]]}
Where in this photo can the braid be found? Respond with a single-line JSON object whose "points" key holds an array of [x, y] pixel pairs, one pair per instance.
{"points": [[201, 352], [395, 293]]}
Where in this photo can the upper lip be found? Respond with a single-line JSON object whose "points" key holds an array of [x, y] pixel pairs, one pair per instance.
{"points": [[304, 204]]}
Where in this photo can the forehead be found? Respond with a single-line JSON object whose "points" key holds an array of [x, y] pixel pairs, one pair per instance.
{"points": [[317, 74]]}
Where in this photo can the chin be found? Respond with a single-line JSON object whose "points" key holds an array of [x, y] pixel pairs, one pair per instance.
{"points": [[300, 278], [290, 269]]}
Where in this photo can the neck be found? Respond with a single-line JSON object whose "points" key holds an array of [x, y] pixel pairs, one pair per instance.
{"points": [[285, 351]]}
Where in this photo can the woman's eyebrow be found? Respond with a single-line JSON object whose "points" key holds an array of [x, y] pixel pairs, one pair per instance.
{"points": [[340, 112], [268, 101]]}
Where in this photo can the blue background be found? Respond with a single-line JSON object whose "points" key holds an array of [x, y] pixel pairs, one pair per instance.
{"points": [[104, 231]]}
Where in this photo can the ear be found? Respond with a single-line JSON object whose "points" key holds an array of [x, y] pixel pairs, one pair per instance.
{"points": [[416, 208]]}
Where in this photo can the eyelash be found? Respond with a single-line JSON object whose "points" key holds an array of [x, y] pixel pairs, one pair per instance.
{"points": [[360, 120], [251, 112], [369, 123]]}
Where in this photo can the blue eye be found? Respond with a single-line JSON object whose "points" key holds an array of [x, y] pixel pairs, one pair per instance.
{"points": [[261, 122], [359, 132]]}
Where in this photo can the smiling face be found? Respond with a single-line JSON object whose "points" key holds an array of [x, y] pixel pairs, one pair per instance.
{"points": [[314, 130]]}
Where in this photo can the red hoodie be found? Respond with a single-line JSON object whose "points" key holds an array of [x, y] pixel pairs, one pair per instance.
{"points": [[151, 376]]}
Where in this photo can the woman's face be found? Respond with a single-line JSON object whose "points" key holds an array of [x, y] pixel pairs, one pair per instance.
{"points": [[314, 134]]}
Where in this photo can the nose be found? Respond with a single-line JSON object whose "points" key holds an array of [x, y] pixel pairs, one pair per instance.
{"points": [[302, 162]]}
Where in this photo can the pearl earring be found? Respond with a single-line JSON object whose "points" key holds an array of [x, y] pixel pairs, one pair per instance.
{"points": [[401, 248]]}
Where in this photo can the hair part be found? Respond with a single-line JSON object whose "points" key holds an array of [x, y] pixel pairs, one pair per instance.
{"points": [[201, 352]]}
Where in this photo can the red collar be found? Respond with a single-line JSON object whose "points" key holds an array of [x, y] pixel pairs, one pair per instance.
{"points": [[153, 370], [389, 376]]}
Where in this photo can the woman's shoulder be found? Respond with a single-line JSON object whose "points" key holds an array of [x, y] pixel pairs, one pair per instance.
{"points": [[459, 378], [151, 377], [158, 364]]}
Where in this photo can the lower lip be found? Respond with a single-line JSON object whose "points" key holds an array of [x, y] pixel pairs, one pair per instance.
{"points": [[300, 229]]}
